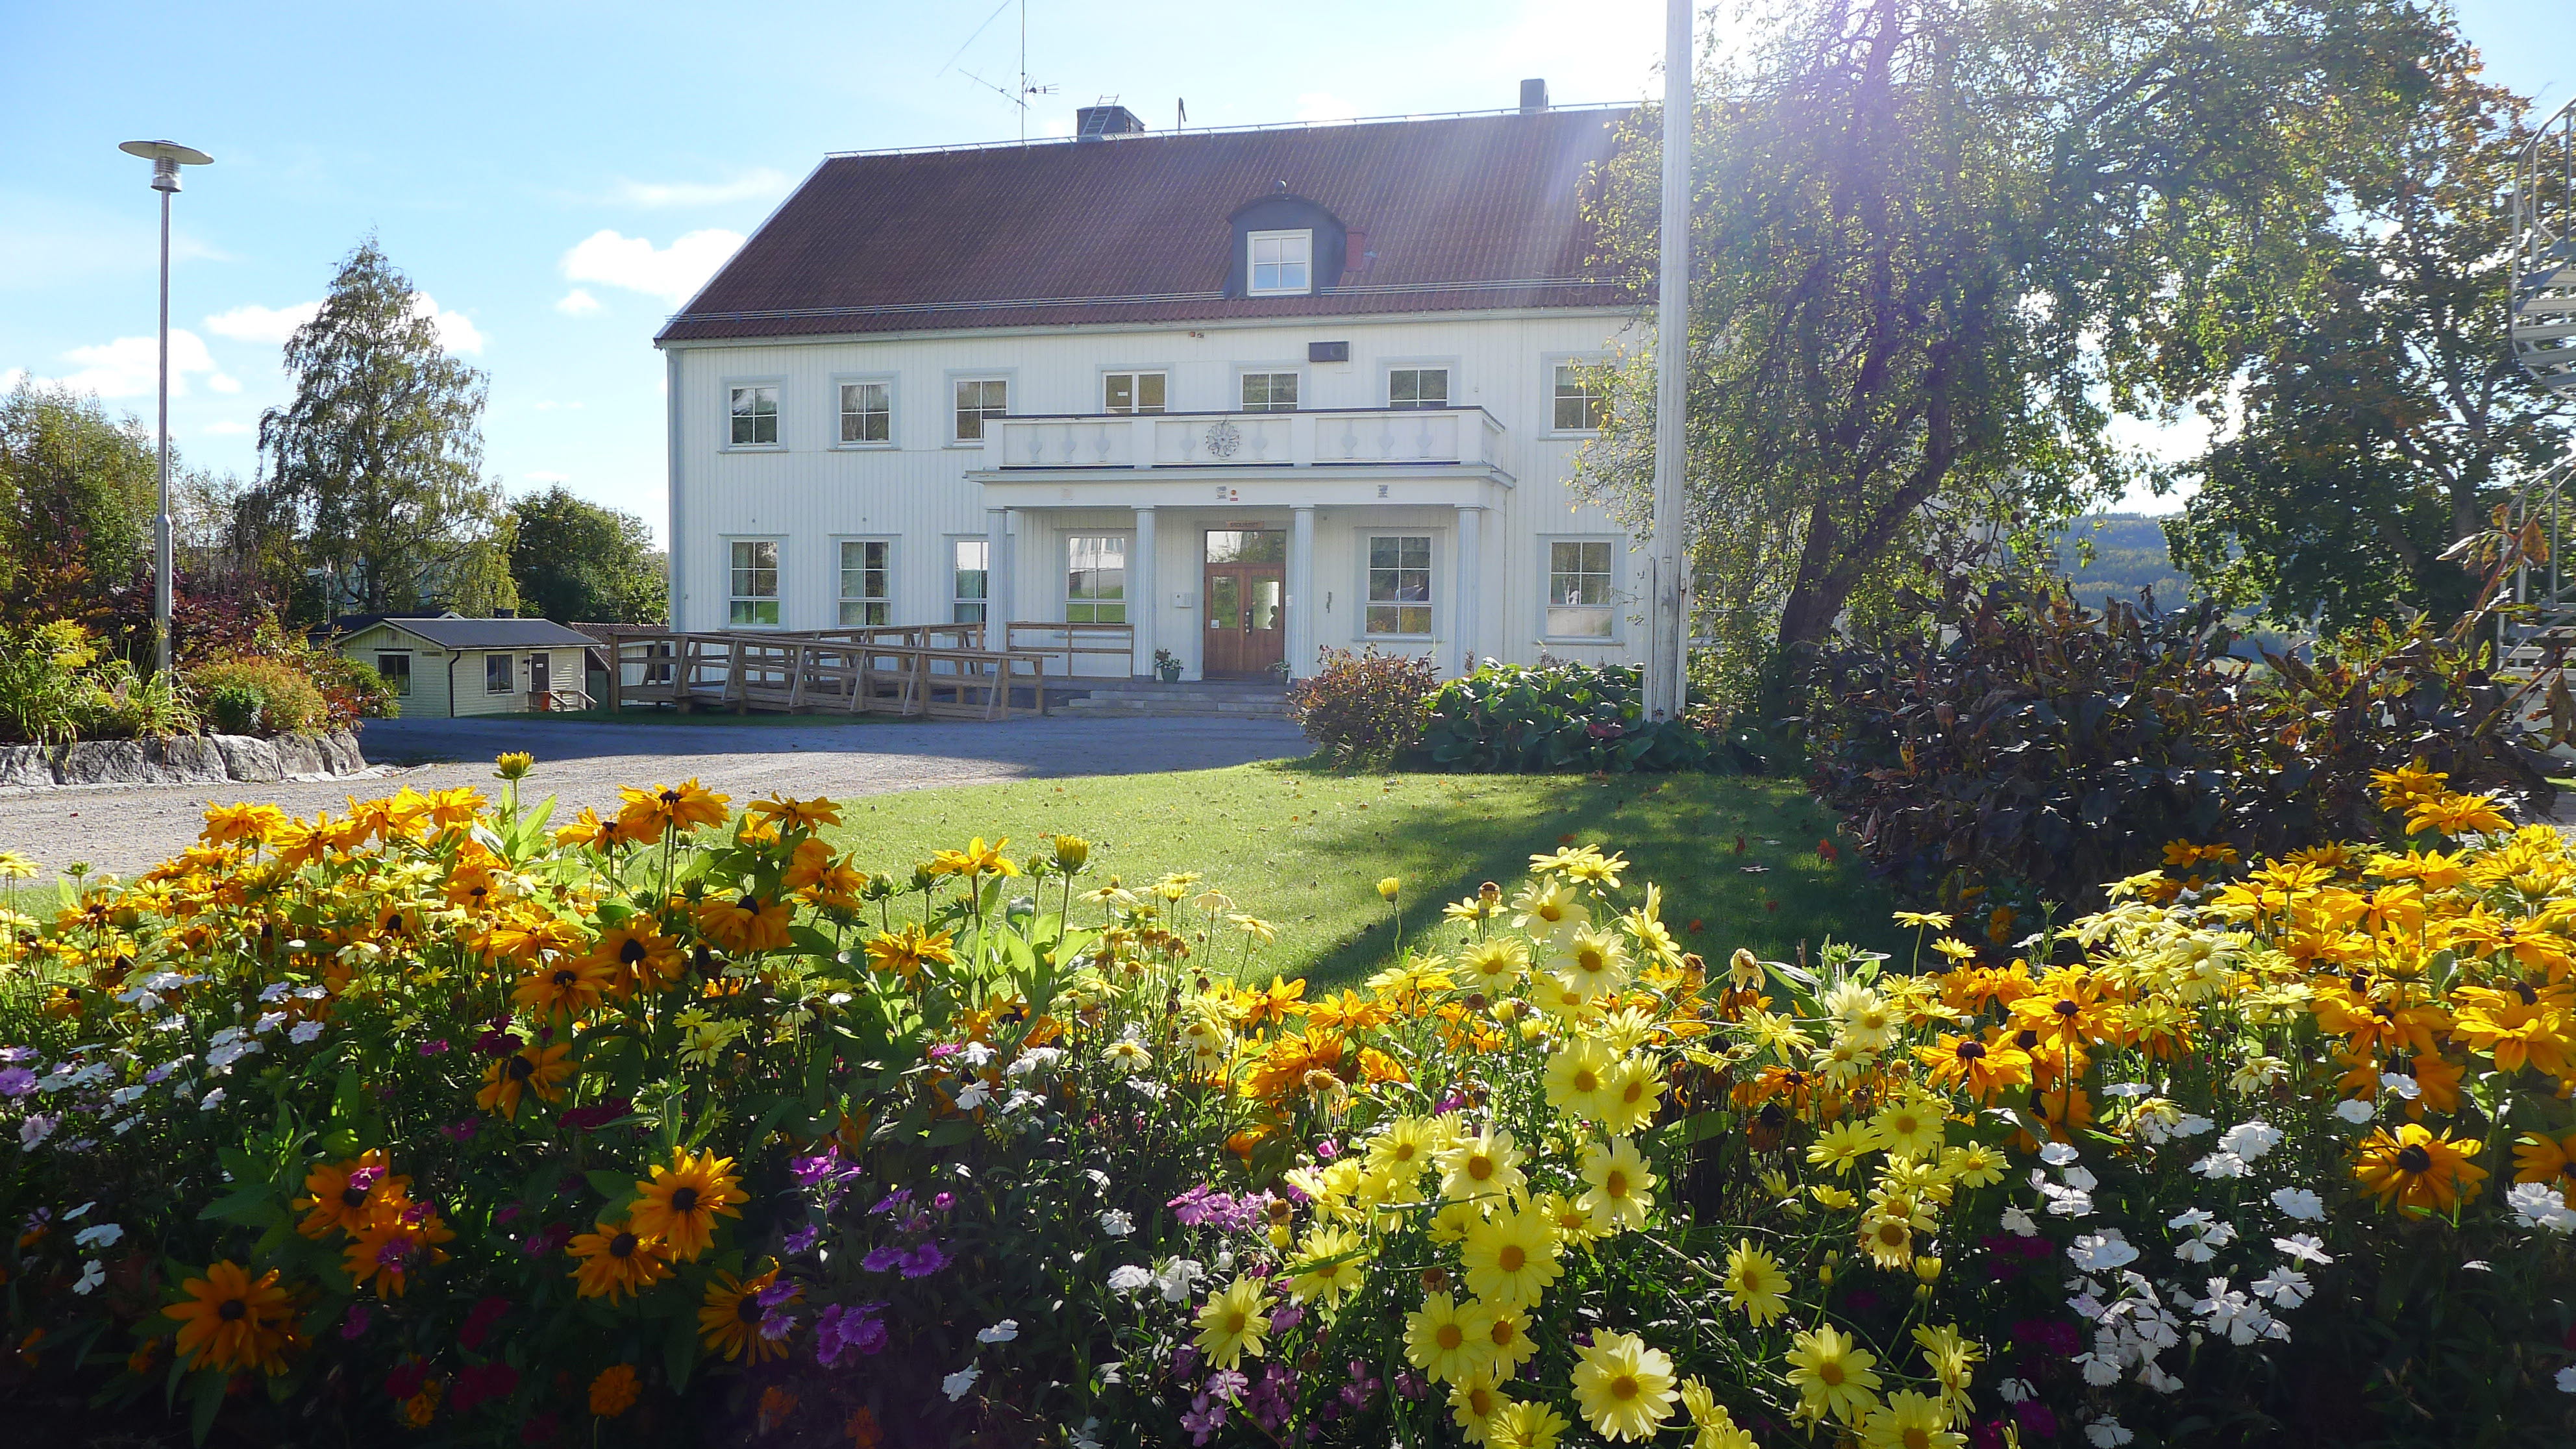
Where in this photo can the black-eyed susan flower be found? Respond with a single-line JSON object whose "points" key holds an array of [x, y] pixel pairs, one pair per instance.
{"points": [[904, 951], [643, 958], [232, 1322], [572, 985], [615, 1260], [729, 1318], [680, 1203], [746, 923], [532, 1069], [2415, 1167], [647, 815], [338, 1195]]}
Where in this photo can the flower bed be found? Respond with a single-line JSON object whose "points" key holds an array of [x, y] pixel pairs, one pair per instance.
{"points": [[680, 1125]]}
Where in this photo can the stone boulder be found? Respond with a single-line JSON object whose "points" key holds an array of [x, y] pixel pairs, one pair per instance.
{"points": [[26, 765], [252, 761], [340, 754], [183, 760], [101, 762], [299, 754]]}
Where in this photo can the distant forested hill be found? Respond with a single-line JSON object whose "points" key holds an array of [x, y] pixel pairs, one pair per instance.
{"points": [[2128, 555]]}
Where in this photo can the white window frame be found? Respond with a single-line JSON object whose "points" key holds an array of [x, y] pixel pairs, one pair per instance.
{"points": [[778, 417], [1247, 371], [1136, 385], [509, 668], [777, 596], [1547, 391], [1447, 369], [1126, 603], [843, 598], [1010, 389], [1431, 571], [1617, 586], [1304, 240], [983, 602], [884, 380]]}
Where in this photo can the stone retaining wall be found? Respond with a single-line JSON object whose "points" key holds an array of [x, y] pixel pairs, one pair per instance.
{"points": [[180, 760]]}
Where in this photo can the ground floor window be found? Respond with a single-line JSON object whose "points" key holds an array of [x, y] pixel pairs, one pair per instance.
{"points": [[966, 580], [395, 671], [1095, 578], [500, 674], [1578, 589], [754, 582], [1399, 584], [866, 574]]}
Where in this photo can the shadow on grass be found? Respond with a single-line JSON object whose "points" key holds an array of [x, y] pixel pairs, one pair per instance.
{"points": [[1681, 832]]}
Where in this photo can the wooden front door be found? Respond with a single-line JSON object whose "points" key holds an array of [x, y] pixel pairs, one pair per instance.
{"points": [[540, 677], [1246, 593]]}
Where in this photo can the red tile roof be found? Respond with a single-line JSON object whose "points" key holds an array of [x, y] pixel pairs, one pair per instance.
{"points": [[1445, 214]]}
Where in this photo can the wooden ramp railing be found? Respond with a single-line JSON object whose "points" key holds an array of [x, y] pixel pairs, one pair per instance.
{"points": [[939, 670]]}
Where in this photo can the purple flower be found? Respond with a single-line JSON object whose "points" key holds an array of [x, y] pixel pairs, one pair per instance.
{"points": [[818, 1169], [944, 1051], [944, 1201], [12, 1056], [434, 1048], [2037, 1420], [1226, 1384], [1286, 1317], [1410, 1384], [1327, 1150], [1271, 1397], [461, 1131], [16, 1081], [803, 1239], [1184, 1360], [775, 1321], [924, 1261], [882, 1259], [846, 1327], [892, 1200], [1449, 1104], [1203, 1419], [161, 1073], [356, 1324], [547, 1241]]}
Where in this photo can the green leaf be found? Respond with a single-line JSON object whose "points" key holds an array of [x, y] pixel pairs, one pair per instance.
{"points": [[617, 1187], [252, 1207], [680, 1350], [205, 1399]]}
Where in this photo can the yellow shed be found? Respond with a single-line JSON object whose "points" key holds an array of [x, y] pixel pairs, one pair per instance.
{"points": [[448, 666]]}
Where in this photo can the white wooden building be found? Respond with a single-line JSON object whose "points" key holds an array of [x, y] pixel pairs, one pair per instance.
{"points": [[1253, 392]]}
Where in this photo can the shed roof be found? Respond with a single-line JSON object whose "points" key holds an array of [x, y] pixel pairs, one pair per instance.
{"points": [[455, 633], [1446, 214]]}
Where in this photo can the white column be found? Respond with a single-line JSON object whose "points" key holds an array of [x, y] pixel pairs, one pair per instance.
{"points": [[1301, 601], [1471, 569], [1142, 600], [997, 574]]}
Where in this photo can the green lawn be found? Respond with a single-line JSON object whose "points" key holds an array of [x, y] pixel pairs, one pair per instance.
{"points": [[1303, 848]]}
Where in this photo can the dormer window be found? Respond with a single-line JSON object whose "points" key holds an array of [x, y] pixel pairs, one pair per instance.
{"points": [[1282, 263]]}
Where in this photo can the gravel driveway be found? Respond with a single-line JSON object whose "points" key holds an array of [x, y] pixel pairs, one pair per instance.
{"points": [[125, 828]]}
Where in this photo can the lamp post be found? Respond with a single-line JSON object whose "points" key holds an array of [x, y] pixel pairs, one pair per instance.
{"points": [[1668, 614], [166, 158]]}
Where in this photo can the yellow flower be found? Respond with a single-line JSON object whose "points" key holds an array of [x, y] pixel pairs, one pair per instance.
{"points": [[1387, 888], [1927, 920], [1630, 1095], [1714, 1427], [1623, 1186], [1844, 1144], [1473, 1403], [976, 859], [514, 765], [232, 1322], [1331, 1265], [647, 814], [615, 1260], [1951, 1356], [1486, 1166], [1577, 1079], [1511, 1258], [1754, 1283], [1508, 1331], [1233, 1322], [1593, 963], [1910, 1420], [1525, 1426], [729, 1318], [1911, 1125], [1623, 1388], [614, 1391], [1496, 965], [902, 953], [1450, 1342], [532, 1068], [2416, 1168], [1832, 1373], [681, 1202], [747, 923]]}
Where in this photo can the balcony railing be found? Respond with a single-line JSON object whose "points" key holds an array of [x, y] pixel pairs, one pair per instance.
{"points": [[1323, 438]]}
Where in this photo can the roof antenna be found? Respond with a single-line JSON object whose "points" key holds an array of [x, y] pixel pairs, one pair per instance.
{"points": [[1181, 122], [1020, 96]]}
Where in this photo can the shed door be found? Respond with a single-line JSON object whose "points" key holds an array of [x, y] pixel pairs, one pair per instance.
{"points": [[540, 679]]}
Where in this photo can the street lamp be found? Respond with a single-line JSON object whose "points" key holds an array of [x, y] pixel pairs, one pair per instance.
{"points": [[166, 158]]}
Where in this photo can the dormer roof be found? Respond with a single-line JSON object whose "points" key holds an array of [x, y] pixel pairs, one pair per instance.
{"points": [[1454, 213]]}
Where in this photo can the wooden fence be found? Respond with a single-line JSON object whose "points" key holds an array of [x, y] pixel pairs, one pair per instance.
{"points": [[943, 671]]}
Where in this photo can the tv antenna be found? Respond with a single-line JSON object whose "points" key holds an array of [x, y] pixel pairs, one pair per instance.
{"points": [[1016, 95]]}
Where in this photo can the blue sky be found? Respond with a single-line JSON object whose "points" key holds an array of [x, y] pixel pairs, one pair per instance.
{"points": [[556, 177]]}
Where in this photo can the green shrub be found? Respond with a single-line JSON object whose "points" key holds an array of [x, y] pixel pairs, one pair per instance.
{"points": [[288, 701], [234, 708], [2036, 751], [1521, 719], [55, 687], [1363, 708]]}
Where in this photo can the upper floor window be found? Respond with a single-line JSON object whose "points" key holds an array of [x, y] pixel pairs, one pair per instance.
{"points": [[1282, 263], [979, 398], [754, 582], [1270, 392], [754, 415], [1417, 387], [867, 412], [867, 594], [1580, 407], [1132, 392]]}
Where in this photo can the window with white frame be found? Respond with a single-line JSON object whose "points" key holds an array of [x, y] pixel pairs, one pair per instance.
{"points": [[979, 398], [867, 573], [752, 411], [1580, 407], [1399, 584], [1417, 387], [500, 674], [1270, 392], [1578, 589], [867, 412], [1095, 578], [1132, 392], [966, 580], [754, 582], [1281, 263]]}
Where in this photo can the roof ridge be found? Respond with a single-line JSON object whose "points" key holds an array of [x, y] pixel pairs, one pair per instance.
{"points": [[1131, 138]]}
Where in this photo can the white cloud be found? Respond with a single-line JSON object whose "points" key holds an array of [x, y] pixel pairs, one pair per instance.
{"points": [[254, 323], [455, 333], [761, 183], [577, 303], [127, 366], [11, 377], [1324, 106], [672, 273]]}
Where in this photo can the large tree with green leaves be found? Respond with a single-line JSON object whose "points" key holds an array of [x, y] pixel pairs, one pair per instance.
{"points": [[1936, 241], [2383, 417], [373, 473], [574, 559], [78, 489]]}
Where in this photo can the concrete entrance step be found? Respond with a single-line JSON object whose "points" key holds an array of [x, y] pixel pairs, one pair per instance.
{"points": [[1191, 699]]}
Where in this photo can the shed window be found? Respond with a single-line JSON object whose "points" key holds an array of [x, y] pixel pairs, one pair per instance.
{"points": [[395, 671], [500, 674]]}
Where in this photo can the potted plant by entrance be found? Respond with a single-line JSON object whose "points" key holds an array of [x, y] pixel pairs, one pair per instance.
{"points": [[1167, 666]]}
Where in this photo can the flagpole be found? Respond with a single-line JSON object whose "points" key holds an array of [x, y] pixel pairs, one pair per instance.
{"points": [[1668, 640]]}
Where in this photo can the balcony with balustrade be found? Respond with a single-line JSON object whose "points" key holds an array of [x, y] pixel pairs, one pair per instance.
{"points": [[1316, 456]]}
